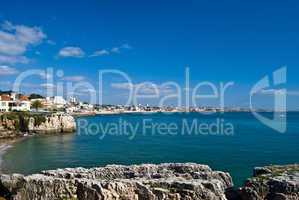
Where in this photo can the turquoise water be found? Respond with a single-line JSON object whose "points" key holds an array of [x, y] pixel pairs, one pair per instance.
{"points": [[252, 144]]}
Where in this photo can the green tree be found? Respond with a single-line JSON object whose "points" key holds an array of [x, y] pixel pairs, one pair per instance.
{"points": [[35, 96], [37, 105]]}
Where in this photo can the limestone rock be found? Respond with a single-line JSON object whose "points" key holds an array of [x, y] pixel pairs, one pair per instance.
{"points": [[165, 181], [53, 124], [27, 123], [271, 183]]}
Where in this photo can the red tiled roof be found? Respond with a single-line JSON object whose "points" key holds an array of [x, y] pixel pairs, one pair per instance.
{"points": [[23, 98], [5, 97]]}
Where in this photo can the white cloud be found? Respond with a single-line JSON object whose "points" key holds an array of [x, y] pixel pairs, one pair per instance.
{"points": [[10, 45], [115, 50], [13, 59], [71, 52], [5, 83], [112, 50], [51, 42], [102, 52], [15, 40], [6, 70], [47, 85], [119, 48], [73, 78], [86, 90], [126, 46]]}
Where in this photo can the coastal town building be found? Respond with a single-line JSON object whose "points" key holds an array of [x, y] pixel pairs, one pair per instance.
{"points": [[14, 102], [10, 101], [73, 100], [59, 100], [4, 103], [48, 103]]}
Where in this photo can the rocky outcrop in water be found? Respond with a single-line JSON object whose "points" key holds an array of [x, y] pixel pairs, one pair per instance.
{"points": [[149, 182], [270, 183], [16, 124], [53, 124]]}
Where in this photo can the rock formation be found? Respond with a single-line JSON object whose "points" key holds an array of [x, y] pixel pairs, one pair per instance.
{"points": [[8, 129], [53, 124], [270, 183], [13, 125], [151, 182], [165, 181]]}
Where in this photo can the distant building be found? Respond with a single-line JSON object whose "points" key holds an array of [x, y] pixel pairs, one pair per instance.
{"points": [[14, 102], [86, 106], [73, 100], [4, 103], [23, 103], [59, 100], [49, 103], [55, 102]]}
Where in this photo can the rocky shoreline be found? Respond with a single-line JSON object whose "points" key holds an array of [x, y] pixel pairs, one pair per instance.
{"points": [[19, 124], [277, 182], [150, 182]]}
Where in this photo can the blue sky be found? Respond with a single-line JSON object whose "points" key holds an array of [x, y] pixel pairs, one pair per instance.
{"points": [[154, 41]]}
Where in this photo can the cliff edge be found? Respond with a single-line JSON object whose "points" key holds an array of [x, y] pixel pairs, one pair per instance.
{"points": [[170, 181], [276, 182], [147, 181], [17, 124]]}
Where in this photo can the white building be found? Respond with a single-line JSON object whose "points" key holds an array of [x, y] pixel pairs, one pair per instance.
{"points": [[86, 106], [73, 100], [20, 106], [56, 101], [12, 103], [4, 103]]}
